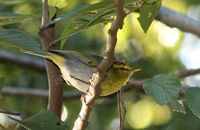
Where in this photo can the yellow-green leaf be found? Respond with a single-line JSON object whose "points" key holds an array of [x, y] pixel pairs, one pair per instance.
{"points": [[58, 3]]}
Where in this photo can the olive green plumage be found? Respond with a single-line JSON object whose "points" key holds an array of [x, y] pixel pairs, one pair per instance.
{"points": [[77, 68]]}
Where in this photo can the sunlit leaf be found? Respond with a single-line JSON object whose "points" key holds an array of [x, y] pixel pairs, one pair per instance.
{"points": [[164, 89], [44, 120], [52, 12], [17, 39], [10, 18], [58, 3], [192, 96], [85, 16], [148, 12]]}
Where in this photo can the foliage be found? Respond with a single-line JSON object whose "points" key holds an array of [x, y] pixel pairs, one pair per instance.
{"points": [[42, 120], [9, 18], [163, 88], [148, 12], [192, 97], [17, 39], [85, 16]]}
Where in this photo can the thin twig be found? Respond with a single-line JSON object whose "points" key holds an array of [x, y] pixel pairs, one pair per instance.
{"points": [[121, 108], [188, 73]]}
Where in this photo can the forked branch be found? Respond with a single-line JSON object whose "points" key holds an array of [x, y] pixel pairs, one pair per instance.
{"points": [[90, 97]]}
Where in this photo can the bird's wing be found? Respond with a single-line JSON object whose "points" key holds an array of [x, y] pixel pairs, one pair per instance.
{"points": [[79, 67], [90, 60]]}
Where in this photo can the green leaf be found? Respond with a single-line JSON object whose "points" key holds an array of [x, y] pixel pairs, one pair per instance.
{"points": [[85, 16], [148, 12], [192, 96], [58, 3], [177, 105], [17, 39], [44, 120], [10, 18], [165, 89]]}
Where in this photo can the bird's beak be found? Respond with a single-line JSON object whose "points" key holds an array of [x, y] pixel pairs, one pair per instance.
{"points": [[136, 70]]}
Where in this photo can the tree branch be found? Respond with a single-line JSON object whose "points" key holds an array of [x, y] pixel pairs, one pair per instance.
{"points": [[187, 73], [23, 62], [20, 61], [11, 59], [138, 84], [35, 92], [56, 83], [89, 99], [180, 21]]}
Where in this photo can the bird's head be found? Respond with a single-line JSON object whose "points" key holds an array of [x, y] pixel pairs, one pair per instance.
{"points": [[123, 70]]}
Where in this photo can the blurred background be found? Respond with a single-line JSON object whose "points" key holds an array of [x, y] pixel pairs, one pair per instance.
{"points": [[161, 50]]}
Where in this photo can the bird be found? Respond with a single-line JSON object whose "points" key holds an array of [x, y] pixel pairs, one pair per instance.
{"points": [[77, 69]]}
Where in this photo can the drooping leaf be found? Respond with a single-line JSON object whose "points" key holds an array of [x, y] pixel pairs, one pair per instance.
{"points": [[165, 89], [58, 3], [85, 16], [192, 96], [17, 39], [10, 18], [44, 120], [148, 12]]}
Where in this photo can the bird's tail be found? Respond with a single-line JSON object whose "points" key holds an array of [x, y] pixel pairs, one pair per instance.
{"points": [[51, 55], [42, 54]]}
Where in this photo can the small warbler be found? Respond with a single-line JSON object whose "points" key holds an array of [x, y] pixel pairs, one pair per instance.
{"points": [[77, 68]]}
